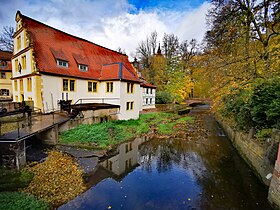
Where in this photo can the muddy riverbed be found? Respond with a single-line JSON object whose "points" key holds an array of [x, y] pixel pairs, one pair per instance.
{"points": [[200, 170]]}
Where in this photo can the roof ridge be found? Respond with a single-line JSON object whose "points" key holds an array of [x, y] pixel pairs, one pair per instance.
{"points": [[69, 34]]}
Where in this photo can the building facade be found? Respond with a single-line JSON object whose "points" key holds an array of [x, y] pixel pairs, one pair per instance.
{"points": [[5, 75], [50, 65]]}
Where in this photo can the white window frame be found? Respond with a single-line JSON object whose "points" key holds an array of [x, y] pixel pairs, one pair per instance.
{"points": [[83, 67], [61, 63]]}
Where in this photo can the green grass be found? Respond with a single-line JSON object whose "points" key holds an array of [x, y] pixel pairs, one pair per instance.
{"points": [[22, 201], [12, 180], [113, 132]]}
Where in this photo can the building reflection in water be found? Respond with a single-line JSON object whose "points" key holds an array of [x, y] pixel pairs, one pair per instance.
{"points": [[119, 165]]}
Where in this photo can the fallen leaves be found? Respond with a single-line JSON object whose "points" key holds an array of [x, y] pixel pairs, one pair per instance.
{"points": [[57, 180]]}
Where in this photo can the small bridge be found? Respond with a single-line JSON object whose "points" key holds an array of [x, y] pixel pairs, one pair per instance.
{"points": [[198, 101], [13, 144]]}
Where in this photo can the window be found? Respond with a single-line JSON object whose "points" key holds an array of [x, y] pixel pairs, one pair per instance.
{"points": [[130, 87], [151, 91], [16, 65], [29, 84], [16, 85], [23, 61], [92, 86], [109, 87], [128, 164], [4, 92], [147, 101], [129, 105], [147, 90], [18, 42], [4, 63], [128, 147], [65, 84], [83, 67], [151, 100], [62, 63], [72, 85], [3, 75], [21, 85], [109, 165], [68, 85]]}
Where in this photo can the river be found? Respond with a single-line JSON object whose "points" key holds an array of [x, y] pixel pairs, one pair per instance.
{"points": [[200, 171]]}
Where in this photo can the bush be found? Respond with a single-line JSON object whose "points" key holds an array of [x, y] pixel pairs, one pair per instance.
{"points": [[258, 108], [12, 180], [265, 104], [17, 200], [264, 133], [163, 97], [237, 107]]}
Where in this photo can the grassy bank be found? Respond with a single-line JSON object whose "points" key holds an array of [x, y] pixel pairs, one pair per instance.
{"points": [[11, 182], [113, 132]]}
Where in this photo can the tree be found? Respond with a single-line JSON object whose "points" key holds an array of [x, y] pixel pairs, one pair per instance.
{"points": [[187, 51], [6, 39], [254, 21], [147, 48], [120, 50]]}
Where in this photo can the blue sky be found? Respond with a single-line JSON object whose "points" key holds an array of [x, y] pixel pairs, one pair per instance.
{"points": [[114, 23], [166, 4]]}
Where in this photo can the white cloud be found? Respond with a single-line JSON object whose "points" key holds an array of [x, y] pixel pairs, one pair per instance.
{"points": [[109, 23], [193, 24]]}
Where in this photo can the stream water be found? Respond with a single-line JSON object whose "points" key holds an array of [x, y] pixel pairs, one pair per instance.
{"points": [[202, 172]]}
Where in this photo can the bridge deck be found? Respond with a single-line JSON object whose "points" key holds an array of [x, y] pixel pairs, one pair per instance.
{"points": [[39, 124]]}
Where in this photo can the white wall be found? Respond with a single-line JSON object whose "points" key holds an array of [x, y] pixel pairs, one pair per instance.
{"points": [[52, 93], [148, 104], [129, 97]]}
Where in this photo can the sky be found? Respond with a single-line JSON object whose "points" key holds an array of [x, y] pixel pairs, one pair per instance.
{"points": [[114, 23]]}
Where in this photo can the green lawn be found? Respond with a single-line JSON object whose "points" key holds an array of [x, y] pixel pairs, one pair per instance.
{"points": [[110, 133]]}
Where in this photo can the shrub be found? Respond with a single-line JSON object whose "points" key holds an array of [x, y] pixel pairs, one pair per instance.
{"points": [[237, 107], [12, 180], [265, 104], [17, 200], [258, 108], [163, 97], [264, 133]]}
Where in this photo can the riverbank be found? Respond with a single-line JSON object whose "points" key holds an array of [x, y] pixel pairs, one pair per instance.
{"points": [[261, 156], [59, 179], [109, 134]]}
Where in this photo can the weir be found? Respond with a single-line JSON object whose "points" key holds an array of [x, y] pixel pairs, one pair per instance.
{"points": [[46, 128]]}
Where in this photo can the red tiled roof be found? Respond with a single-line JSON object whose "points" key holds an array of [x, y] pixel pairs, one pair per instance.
{"points": [[117, 71], [146, 84], [5, 57], [50, 44]]}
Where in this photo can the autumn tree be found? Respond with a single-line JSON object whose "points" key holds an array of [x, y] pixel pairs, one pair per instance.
{"points": [[256, 22], [6, 39]]}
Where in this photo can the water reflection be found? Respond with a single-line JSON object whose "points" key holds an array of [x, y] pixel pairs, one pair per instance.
{"points": [[202, 173]]}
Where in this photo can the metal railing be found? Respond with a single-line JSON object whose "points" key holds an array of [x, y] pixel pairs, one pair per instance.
{"points": [[95, 100]]}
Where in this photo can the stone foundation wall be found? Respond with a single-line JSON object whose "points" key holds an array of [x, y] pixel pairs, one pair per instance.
{"points": [[274, 188], [260, 157]]}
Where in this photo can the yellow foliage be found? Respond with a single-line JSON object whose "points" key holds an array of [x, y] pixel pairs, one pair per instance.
{"points": [[56, 180]]}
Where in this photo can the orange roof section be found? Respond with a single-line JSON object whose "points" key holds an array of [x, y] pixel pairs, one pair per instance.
{"points": [[5, 60], [146, 84], [51, 44]]}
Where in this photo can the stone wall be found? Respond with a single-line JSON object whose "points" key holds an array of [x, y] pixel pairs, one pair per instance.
{"points": [[261, 157], [274, 188]]}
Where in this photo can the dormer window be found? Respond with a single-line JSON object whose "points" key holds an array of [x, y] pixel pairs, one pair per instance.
{"points": [[83, 67], [62, 63]]}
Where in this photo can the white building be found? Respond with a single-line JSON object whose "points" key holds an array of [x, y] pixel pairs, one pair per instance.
{"points": [[50, 65]]}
